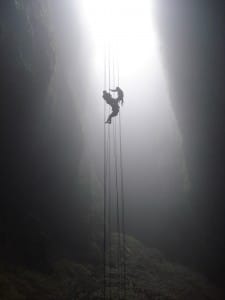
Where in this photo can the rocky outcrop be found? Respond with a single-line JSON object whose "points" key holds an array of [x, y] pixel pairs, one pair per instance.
{"points": [[149, 277]]}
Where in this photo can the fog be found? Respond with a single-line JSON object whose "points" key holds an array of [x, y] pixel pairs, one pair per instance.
{"points": [[154, 163], [62, 230], [156, 178]]}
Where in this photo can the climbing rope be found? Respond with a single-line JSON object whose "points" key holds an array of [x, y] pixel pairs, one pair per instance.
{"points": [[105, 184], [113, 191], [123, 231]]}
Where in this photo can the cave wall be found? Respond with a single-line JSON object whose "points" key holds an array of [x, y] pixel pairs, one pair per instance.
{"points": [[192, 46], [44, 205]]}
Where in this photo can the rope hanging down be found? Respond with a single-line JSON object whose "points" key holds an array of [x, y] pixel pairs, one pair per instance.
{"points": [[114, 204]]}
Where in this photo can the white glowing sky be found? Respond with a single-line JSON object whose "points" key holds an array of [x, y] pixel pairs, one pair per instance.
{"points": [[125, 25]]}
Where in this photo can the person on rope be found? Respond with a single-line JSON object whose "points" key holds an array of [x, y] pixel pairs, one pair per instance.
{"points": [[113, 102], [120, 94]]}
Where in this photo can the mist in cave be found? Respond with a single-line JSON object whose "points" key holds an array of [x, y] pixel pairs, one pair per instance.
{"points": [[56, 60]]}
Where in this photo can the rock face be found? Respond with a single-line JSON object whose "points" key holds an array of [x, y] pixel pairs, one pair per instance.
{"points": [[192, 45], [149, 277], [27, 63], [43, 204]]}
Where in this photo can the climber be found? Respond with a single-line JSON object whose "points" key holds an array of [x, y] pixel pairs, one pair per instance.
{"points": [[113, 102], [120, 94]]}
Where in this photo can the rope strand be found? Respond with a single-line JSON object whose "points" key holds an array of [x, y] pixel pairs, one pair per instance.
{"points": [[104, 246], [118, 195]]}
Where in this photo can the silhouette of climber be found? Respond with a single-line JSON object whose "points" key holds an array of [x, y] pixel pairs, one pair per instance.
{"points": [[113, 102], [120, 94]]}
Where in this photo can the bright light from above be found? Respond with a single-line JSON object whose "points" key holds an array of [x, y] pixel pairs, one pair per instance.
{"points": [[125, 25], [121, 35]]}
